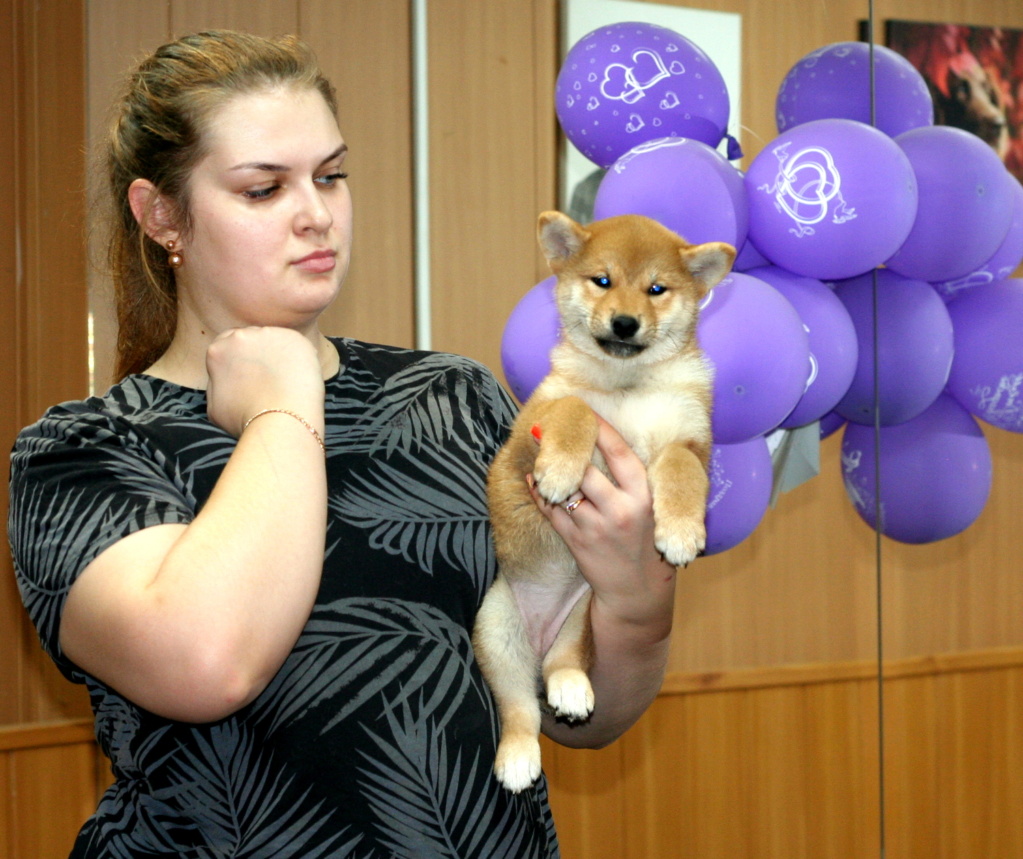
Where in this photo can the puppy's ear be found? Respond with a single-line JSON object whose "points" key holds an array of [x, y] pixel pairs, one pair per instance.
{"points": [[560, 238], [708, 263]]}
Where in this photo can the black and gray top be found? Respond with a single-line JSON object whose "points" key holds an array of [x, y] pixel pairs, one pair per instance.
{"points": [[377, 736]]}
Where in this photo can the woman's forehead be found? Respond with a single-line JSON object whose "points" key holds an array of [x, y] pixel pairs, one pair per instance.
{"points": [[272, 126]]}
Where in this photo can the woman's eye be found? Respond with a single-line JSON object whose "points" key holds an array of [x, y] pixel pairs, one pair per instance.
{"points": [[331, 179], [657, 289], [261, 193], [603, 281]]}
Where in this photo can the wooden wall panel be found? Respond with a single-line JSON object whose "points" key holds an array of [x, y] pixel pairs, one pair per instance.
{"points": [[12, 616], [46, 292], [790, 769], [489, 178], [268, 17], [49, 787]]}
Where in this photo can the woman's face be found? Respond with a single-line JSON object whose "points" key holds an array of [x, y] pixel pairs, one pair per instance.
{"points": [[271, 214]]}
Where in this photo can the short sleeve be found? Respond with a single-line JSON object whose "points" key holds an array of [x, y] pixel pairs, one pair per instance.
{"points": [[494, 409], [80, 481]]}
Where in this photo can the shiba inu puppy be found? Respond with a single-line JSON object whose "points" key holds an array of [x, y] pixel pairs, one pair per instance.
{"points": [[628, 293]]}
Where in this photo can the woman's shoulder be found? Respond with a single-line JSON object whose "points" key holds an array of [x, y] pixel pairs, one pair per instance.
{"points": [[384, 362], [135, 400]]}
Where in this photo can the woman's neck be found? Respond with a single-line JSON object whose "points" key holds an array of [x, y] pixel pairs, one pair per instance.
{"points": [[184, 363]]}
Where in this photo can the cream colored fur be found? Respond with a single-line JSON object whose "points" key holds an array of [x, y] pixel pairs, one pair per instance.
{"points": [[628, 292]]}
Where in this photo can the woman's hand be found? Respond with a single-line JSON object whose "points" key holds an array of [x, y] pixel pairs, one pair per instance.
{"points": [[610, 533], [251, 369]]}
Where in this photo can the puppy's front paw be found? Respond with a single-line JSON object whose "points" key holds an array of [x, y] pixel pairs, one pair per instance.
{"points": [[681, 541], [570, 694], [557, 478], [517, 764]]}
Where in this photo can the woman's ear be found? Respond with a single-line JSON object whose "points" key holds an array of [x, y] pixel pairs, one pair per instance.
{"points": [[152, 210]]}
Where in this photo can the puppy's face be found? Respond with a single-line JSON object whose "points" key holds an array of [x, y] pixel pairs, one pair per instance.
{"points": [[628, 287]]}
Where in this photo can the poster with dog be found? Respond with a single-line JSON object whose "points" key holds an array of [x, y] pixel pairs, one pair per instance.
{"points": [[975, 75]]}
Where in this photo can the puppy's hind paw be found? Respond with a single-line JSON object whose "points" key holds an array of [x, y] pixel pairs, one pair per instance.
{"points": [[570, 694], [517, 764]]}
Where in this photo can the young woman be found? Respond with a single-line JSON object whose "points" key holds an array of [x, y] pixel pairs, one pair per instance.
{"points": [[263, 549]]}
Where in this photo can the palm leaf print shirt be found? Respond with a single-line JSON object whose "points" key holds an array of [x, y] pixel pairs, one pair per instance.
{"points": [[377, 736]]}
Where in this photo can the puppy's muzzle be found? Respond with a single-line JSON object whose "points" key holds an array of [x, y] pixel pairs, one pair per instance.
{"points": [[621, 343]]}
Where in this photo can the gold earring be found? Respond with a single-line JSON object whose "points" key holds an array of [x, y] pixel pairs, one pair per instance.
{"points": [[174, 259]]}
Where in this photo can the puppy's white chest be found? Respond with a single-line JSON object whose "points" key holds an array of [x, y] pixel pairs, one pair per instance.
{"points": [[646, 421]]}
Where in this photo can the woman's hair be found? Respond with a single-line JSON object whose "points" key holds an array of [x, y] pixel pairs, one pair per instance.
{"points": [[157, 133]]}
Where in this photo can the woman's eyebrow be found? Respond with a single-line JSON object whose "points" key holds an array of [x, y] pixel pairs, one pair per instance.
{"points": [[267, 167]]}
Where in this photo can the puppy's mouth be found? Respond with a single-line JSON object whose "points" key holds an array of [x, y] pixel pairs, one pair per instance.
{"points": [[619, 348]]}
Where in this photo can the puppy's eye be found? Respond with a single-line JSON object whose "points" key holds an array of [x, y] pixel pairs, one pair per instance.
{"points": [[657, 289], [603, 281]]}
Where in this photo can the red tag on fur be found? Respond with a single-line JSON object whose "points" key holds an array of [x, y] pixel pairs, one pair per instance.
{"points": [[535, 432]]}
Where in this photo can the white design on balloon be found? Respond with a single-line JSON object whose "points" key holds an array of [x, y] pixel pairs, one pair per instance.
{"points": [[622, 83], [635, 123], [814, 366], [806, 185], [850, 464], [1001, 406], [719, 483], [623, 162]]}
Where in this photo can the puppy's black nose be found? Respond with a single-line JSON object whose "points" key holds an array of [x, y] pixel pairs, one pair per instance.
{"points": [[624, 327]]}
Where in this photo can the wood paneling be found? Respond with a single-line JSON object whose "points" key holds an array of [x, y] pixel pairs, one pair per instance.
{"points": [[49, 785], [489, 178], [12, 616], [769, 765], [268, 17], [44, 288]]}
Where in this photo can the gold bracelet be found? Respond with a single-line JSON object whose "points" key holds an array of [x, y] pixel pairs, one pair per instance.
{"points": [[298, 418]]}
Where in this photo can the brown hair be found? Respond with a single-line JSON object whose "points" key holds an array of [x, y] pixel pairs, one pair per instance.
{"points": [[157, 134]]}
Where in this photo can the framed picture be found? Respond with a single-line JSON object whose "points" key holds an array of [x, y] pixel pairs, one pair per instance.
{"points": [[975, 75]]}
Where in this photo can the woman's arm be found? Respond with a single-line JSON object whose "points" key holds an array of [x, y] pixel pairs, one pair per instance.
{"points": [[611, 535], [192, 621]]}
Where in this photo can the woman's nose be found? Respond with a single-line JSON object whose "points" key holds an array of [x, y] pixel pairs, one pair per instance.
{"points": [[314, 213]]}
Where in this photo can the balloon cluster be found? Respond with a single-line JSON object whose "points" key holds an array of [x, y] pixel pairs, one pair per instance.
{"points": [[865, 234]]}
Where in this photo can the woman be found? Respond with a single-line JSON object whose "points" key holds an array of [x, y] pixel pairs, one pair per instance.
{"points": [[263, 549]]}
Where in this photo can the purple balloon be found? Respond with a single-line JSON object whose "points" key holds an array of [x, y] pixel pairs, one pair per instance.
{"points": [[831, 423], [834, 82], [740, 490], [832, 337], [684, 184], [749, 257], [987, 370], [965, 204], [935, 473], [627, 83], [1005, 260], [532, 330], [830, 199], [755, 340], [914, 346]]}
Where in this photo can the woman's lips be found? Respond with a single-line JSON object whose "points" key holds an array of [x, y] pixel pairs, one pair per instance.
{"points": [[317, 262]]}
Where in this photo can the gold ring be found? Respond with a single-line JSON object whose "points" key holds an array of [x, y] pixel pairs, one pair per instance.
{"points": [[572, 506]]}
